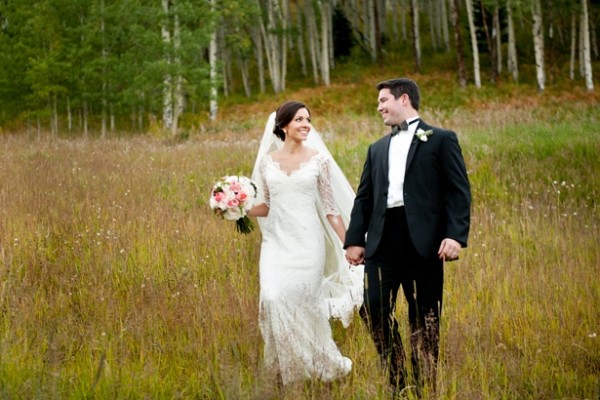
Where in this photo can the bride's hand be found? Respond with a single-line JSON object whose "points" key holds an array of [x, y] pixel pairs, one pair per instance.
{"points": [[355, 255]]}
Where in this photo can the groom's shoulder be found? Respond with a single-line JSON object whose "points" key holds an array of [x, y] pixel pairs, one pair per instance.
{"points": [[437, 129], [382, 141]]}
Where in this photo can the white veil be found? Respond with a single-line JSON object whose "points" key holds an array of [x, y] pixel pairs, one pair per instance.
{"points": [[342, 283]]}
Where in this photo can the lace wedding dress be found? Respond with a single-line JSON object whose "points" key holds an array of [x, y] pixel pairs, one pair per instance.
{"points": [[294, 316]]}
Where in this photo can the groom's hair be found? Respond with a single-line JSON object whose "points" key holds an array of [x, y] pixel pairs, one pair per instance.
{"points": [[284, 115], [400, 86]]}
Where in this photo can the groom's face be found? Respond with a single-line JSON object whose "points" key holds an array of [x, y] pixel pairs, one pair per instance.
{"points": [[390, 108]]}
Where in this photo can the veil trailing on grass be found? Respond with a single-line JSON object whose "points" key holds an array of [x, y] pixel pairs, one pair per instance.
{"points": [[342, 284]]}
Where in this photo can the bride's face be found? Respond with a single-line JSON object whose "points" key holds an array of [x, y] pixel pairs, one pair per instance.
{"points": [[299, 126]]}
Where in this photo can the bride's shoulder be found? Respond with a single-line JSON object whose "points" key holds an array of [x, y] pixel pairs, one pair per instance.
{"points": [[270, 156], [320, 156], [313, 153]]}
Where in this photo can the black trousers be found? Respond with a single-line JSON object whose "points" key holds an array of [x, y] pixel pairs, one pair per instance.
{"points": [[396, 264]]}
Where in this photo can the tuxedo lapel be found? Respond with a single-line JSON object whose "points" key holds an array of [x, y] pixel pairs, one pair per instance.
{"points": [[385, 156], [412, 150], [415, 143]]}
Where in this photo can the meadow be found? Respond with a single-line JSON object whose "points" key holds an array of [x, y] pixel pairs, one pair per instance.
{"points": [[117, 281]]}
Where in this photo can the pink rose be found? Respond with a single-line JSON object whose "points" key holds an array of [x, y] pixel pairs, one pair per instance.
{"points": [[242, 196], [235, 186], [233, 203], [219, 196]]}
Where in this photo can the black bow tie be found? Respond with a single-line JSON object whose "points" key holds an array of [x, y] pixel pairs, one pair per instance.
{"points": [[403, 126]]}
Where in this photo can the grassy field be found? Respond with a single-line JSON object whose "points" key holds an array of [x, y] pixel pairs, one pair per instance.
{"points": [[116, 281]]}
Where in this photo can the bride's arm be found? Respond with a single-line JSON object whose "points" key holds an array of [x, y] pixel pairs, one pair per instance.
{"points": [[338, 226], [329, 206], [259, 210]]}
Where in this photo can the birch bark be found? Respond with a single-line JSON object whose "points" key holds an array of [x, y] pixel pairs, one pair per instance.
{"points": [[212, 59], [512, 63], [538, 44], [178, 89], [325, 42], [474, 48], [167, 78], [587, 61], [414, 11]]}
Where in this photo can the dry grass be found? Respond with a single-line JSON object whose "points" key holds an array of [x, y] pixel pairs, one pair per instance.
{"points": [[117, 281]]}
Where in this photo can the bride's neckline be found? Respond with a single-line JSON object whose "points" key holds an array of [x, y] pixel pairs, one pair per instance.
{"points": [[292, 171]]}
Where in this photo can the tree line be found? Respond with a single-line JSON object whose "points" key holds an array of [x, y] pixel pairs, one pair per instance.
{"points": [[103, 65]]}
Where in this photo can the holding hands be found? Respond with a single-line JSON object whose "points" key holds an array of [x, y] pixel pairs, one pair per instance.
{"points": [[355, 255], [449, 250]]}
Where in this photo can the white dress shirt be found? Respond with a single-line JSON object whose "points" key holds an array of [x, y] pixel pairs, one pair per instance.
{"points": [[399, 146]]}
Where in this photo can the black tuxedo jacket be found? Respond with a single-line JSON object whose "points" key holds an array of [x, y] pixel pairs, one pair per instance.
{"points": [[437, 195]]}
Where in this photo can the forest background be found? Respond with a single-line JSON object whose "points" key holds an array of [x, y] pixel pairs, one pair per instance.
{"points": [[77, 66], [116, 117]]}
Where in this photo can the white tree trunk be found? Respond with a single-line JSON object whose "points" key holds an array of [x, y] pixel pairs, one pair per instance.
{"points": [[285, 17], [433, 31], [330, 33], [178, 90], [275, 45], [212, 59], [573, 46], [414, 7], [513, 67], [497, 34], [141, 118], [300, 38], [167, 79], [372, 31], [225, 57], [444, 21], [587, 60], [243, 64], [112, 118], [69, 115], [104, 71], [85, 119], [54, 115], [325, 42], [313, 39], [474, 48], [581, 34], [259, 52], [538, 44]]}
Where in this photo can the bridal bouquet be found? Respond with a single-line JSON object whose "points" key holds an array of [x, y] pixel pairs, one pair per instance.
{"points": [[231, 197]]}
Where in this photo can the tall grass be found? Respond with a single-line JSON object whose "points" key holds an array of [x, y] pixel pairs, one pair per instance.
{"points": [[118, 282]]}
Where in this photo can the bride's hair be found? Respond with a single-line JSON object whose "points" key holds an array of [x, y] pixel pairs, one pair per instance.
{"points": [[283, 116]]}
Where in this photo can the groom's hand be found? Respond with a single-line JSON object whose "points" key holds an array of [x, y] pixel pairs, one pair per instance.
{"points": [[449, 250], [355, 255]]}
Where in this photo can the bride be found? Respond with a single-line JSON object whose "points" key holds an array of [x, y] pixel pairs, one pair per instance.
{"points": [[304, 205]]}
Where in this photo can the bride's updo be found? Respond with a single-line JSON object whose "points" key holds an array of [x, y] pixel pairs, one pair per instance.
{"points": [[284, 115]]}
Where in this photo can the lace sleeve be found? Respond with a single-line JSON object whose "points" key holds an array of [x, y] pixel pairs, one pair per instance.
{"points": [[324, 187], [265, 188]]}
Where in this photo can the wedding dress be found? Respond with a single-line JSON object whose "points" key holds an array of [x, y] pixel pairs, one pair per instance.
{"points": [[304, 278]]}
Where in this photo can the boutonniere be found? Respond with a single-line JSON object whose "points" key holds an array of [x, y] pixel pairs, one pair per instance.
{"points": [[422, 135]]}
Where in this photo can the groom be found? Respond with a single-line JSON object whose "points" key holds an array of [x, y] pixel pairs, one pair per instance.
{"points": [[411, 213]]}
